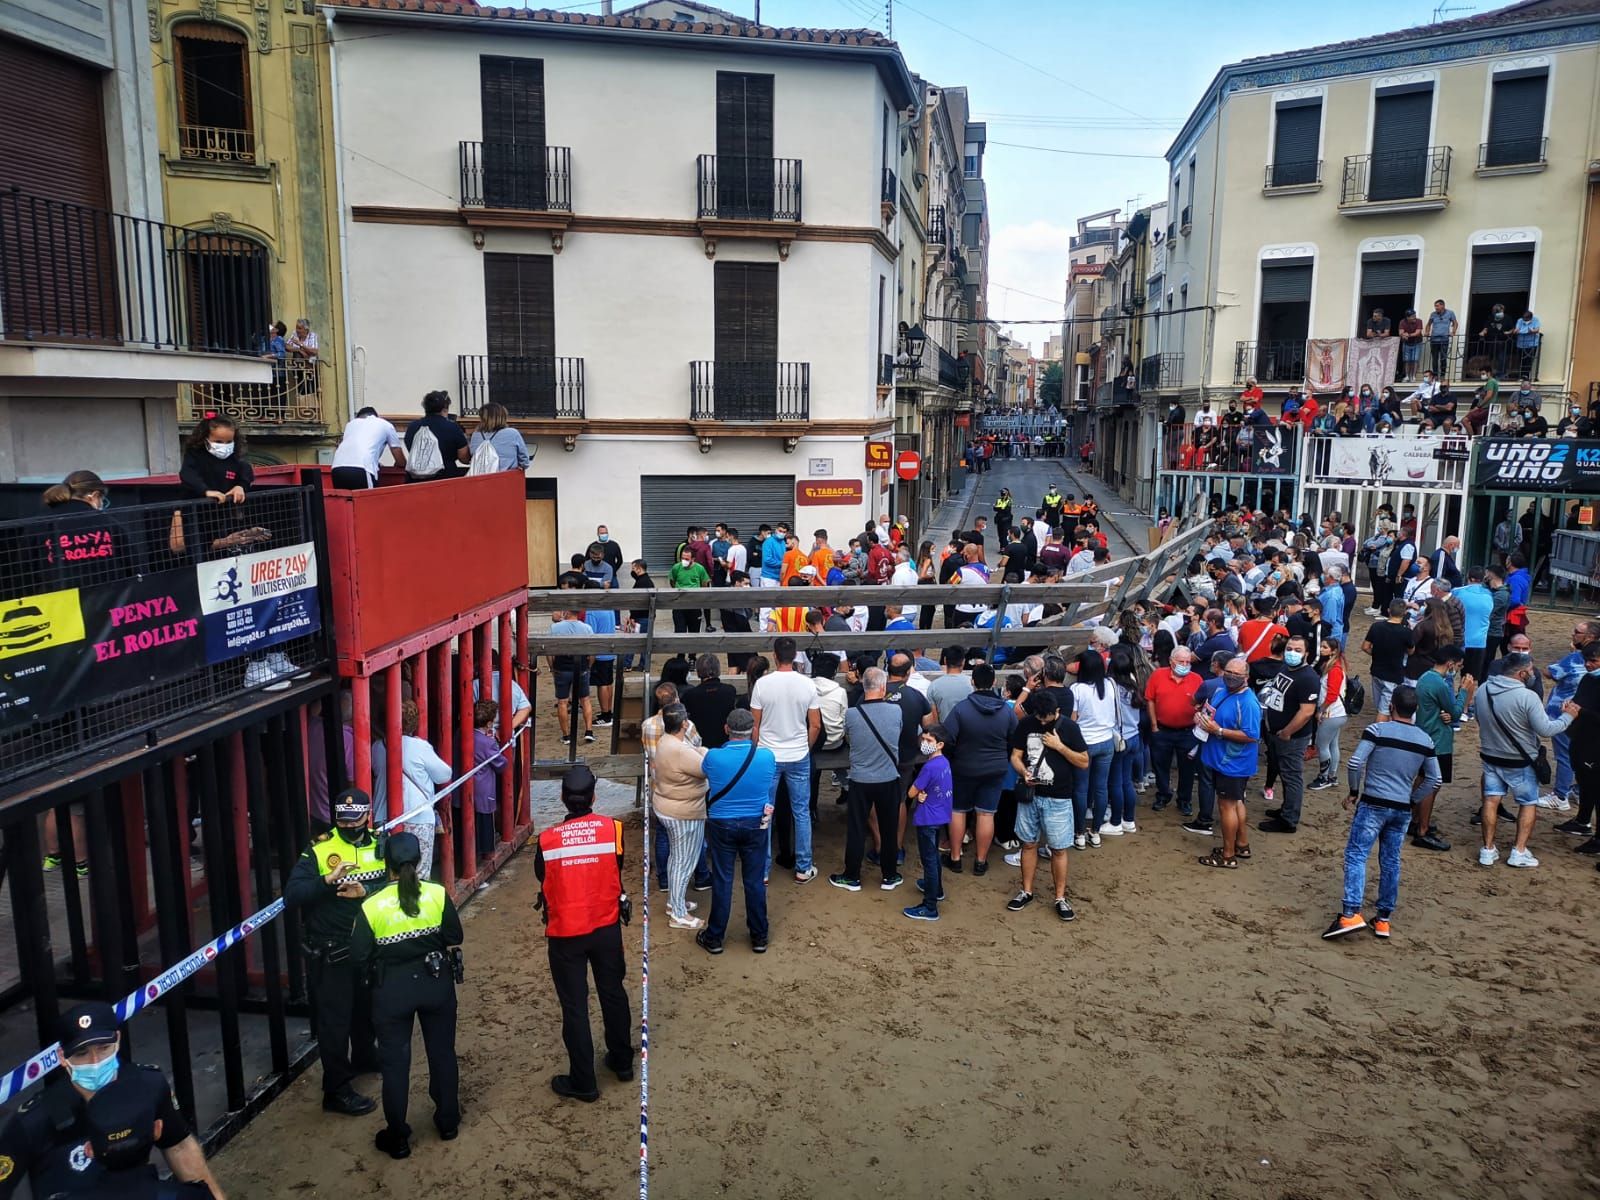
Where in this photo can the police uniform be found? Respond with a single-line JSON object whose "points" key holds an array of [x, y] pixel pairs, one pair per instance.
{"points": [[580, 864], [49, 1141], [414, 975], [341, 1004], [1003, 517]]}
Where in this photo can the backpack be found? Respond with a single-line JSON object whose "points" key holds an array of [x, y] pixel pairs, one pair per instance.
{"points": [[426, 459], [1355, 696], [485, 459]]}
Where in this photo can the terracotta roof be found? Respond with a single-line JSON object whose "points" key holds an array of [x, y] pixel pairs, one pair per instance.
{"points": [[735, 28]]}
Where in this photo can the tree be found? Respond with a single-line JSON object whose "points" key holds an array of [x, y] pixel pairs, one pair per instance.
{"points": [[1050, 387]]}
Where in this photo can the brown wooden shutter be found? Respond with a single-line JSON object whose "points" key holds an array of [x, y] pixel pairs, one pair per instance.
{"points": [[745, 298], [511, 91], [744, 145], [70, 163], [519, 309], [212, 65]]}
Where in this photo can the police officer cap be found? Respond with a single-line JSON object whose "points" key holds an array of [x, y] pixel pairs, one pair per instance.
{"points": [[90, 1024], [577, 787], [403, 849], [121, 1123], [352, 804]]}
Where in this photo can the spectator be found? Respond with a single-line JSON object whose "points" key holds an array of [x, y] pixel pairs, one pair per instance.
{"points": [[873, 728], [788, 719], [1527, 334], [1124, 666], [421, 773], [1439, 706], [571, 673], [949, 689], [1495, 337], [1410, 332], [687, 575], [1331, 712], [597, 572], [1585, 736], [1477, 601], [1045, 749], [1255, 637], [277, 349], [436, 447], [1289, 702], [214, 466], [610, 551], [932, 793], [1094, 707], [1564, 676], [302, 345], [360, 451], [710, 701], [1377, 325], [496, 431], [1442, 326], [486, 760], [1513, 722], [678, 794], [741, 779], [1230, 727], [1171, 695], [1519, 589]]}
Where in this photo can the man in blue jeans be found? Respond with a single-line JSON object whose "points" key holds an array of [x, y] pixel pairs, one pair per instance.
{"points": [[1394, 763], [1210, 690], [740, 778], [1564, 676], [788, 718]]}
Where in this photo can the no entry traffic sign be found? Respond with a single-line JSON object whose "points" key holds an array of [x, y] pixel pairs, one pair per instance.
{"points": [[908, 465]]}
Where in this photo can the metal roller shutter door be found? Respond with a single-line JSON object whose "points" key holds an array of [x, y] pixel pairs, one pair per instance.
{"points": [[1506, 272], [1295, 141], [669, 504], [1285, 284], [1388, 276]]}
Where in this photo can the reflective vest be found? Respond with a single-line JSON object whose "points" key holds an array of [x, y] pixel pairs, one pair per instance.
{"points": [[391, 924], [581, 882], [366, 867], [1003, 504]]}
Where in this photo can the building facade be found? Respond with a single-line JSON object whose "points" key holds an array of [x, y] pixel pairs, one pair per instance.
{"points": [[681, 285]]}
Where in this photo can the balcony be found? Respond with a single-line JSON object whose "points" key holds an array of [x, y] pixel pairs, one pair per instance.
{"points": [[1512, 156], [738, 188], [531, 387], [1293, 178], [1186, 221], [209, 144], [293, 403], [511, 175], [1161, 371], [949, 367], [938, 230], [889, 193], [1395, 181], [1100, 236], [1269, 361], [749, 391]]}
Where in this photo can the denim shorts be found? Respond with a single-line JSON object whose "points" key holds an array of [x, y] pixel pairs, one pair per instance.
{"points": [[1047, 815], [980, 794], [569, 683], [1520, 783], [1382, 694]]}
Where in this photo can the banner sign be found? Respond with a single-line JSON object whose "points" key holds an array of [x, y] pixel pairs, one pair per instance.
{"points": [[1372, 362], [1271, 450], [808, 492], [1325, 364], [880, 456], [253, 601], [1539, 465], [1381, 462]]}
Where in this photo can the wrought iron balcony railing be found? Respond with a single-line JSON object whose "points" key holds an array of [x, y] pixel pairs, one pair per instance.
{"points": [[294, 400], [740, 188], [529, 386], [1421, 174], [749, 391], [1512, 152], [208, 143], [532, 178], [1298, 173]]}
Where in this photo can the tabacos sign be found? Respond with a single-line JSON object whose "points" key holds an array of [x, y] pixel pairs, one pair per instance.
{"points": [[1535, 464]]}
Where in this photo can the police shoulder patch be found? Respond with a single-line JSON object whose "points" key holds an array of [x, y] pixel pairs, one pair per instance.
{"points": [[6, 1167], [321, 837]]}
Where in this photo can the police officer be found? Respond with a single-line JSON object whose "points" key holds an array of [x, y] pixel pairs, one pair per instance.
{"points": [[122, 1128], [327, 885], [51, 1140], [579, 862], [1003, 516], [408, 936]]}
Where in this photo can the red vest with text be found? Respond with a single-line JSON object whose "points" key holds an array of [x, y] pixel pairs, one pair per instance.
{"points": [[581, 882]]}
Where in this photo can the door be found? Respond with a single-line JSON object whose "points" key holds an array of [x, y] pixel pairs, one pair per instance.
{"points": [[1399, 168], [744, 146], [1285, 322], [1294, 144], [542, 543], [1516, 120], [1389, 283], [669, 504], [745, 379], [512, 95], [519, 312], [230, 300]]}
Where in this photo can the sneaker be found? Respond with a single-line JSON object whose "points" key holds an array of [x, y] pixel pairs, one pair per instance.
{"points": [[1573, 828], [805, 876], [1160, 804], [1009, 844], [845, 882], [686, 923], [892, 882], [1465, 717], [922, 886], [1430, 841], [1273, 812], [1276, 825], [1185, 810], [259, 673], [1079, 841], [1521, 858], [1343, 925], [1372, 612], [1591, 847], [1094, 839], [1110, 829], [602, 721], [52, 862], [1554, 802], [1488, 856], [758, 946], [1064, 910], [1019, 902], [1203, 828], [1380, 927], [1014, 860], [284, 665], [1129, 827], [1266, 794], [81, 867], [920, 912], [980, 867], [1043, 852], [1322, 782], [588, 738], [699, 886], [707, 944], [952, 864]]}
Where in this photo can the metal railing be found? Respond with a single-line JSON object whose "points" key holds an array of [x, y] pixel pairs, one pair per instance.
{"points": [[1273, 361], [209, 143], [1421, 174], [938, 230], [1101, 235], [1172, 230], [891, 186], [1161, 370], [740, 188], [749, 391], [1502, 356], [77, 274], [1245, 449], [294, 399], [1429, 463], [1186, 221], [532, 178], [1294, 174], [949, 368], [529, 386], [1512, 152]]}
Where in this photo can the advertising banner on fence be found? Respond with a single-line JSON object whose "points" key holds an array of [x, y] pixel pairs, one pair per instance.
{"points": [[1272, 450], [1538, 465], [253, 601], [1379, 462]]}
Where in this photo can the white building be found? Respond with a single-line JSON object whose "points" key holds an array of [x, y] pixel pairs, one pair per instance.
{"points": [[663, 244]]}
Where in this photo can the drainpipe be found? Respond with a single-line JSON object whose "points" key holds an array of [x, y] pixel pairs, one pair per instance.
{"points": [[344, 220]]}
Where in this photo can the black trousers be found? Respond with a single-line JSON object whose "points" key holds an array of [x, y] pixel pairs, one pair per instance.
{"points": [[570, 961], [341, 1021], [354, 479], [407, 991], [884, 799], [686, 620]]}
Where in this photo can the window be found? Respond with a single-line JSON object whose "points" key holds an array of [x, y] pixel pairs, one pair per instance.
{"points": [[745, 328], [511, 97], [745, 170], [1501, 274], [1400, 160], [1284, 321], [212, 66], [1516, 119], [1295, 139], [229, 301], [520, 317], [1389, 282]]}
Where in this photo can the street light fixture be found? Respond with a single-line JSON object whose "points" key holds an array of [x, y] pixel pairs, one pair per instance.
{"points": [[912, 343]]}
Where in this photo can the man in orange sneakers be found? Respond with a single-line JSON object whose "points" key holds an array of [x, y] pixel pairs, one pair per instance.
{"points": [[1384, 772]]}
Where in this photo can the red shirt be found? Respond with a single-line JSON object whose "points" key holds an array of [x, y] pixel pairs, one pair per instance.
{"points": [[880, 564], [1251, 635], [1172, 699]]}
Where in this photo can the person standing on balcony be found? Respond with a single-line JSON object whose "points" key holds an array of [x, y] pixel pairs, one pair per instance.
{"points": [[1410, 332], [494, 428], [1442, 326], [302, 343], [1378, 325], [1495, 337], [366, 437], [1527, 335]]}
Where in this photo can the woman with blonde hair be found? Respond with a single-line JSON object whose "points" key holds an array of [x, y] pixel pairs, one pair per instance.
{"points": [[494, 428]]}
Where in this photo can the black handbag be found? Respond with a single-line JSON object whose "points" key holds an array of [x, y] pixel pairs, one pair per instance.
{"points": [[1540, 762]]}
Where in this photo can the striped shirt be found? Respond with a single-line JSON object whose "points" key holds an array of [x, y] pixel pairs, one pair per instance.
{"points": [[1388, 760]]}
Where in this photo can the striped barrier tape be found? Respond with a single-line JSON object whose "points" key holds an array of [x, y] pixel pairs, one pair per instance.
{"points": [[644, 1006]]}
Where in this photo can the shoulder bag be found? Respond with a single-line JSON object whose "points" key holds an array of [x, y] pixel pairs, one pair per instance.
{"points": [[1540, 762], [867, 721], [737, 775]]}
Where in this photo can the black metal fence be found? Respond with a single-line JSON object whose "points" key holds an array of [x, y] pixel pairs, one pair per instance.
{"points": [[77, 274], [750, 391], [1420, 174], [741, 188], [1512, 152], [533, 178], [527, 386], [1271, 361], [1161, 370], [1297, 173], [1457, 358]]}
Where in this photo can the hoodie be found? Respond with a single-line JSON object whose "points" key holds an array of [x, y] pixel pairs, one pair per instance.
{"points": [[980, 729], [1517, 713]]}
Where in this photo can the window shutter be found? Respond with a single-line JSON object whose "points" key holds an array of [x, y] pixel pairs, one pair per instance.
{"points": [[744, 145], [70, 163], [1388, 277], [519, 314], [1400, 145], [1285, 283], [511, 92], [1499, 273], [1294, 147], [1516, 120], [745, 296]]}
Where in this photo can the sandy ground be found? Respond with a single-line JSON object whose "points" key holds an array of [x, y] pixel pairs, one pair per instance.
{"points": [[1188, 1036]]}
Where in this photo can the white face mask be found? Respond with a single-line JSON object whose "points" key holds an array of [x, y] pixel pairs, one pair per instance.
{"points": [[1179, 670], [929, 747], [220, 449]]}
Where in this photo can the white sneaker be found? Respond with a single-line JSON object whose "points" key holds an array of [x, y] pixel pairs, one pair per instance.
{"points": [[285, 665], [1520, 858], [1079, 841], [1111, 830], [1094, 839], [259, 673], [1129, 827], [805, 876], [1488, 856], [1373, 612], [686, 923], [1014, 860], [1554, 802]]}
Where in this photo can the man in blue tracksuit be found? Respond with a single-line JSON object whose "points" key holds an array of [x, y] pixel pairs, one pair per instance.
{"points": [[772, 552]]}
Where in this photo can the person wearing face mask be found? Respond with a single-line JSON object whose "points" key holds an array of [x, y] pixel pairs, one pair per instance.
{"points": [[1510, 723], [328, 884], [1575, 424], [1495, 338], [1289, 702], [1229, 727], [1170, 693], [55, 1141], [214, 466], [85, 544]]}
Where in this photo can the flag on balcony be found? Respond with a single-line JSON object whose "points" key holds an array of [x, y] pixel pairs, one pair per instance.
{"points": [[1372, 362], [1326, 361]]}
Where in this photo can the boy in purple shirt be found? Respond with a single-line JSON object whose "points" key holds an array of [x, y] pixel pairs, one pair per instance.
{"points": [[485, 784], [933, 794]]}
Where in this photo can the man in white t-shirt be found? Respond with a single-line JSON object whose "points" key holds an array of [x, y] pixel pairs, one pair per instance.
{"points": [[366, 437], [738, 555], [788, 718], [905, 571]]}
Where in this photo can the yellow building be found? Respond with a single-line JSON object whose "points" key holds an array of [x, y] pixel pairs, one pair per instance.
{"points": [[245, 121]]}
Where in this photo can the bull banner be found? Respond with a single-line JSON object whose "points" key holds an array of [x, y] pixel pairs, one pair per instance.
{"points": [[1372, 362], [1326, 364], [1381, 462]]}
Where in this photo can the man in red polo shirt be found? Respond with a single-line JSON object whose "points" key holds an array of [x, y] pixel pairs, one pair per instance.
{"points": [[1171, 692], [1255, 637]]}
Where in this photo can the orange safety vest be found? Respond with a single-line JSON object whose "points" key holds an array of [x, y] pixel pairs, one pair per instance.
{"points": [[582, 885]]}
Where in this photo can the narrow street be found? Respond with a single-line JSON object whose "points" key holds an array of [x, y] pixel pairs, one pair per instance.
{"points": [[1029, 477]]}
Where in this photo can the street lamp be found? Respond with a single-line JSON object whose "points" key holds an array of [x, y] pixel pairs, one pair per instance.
{"points": [[912, 342]]}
